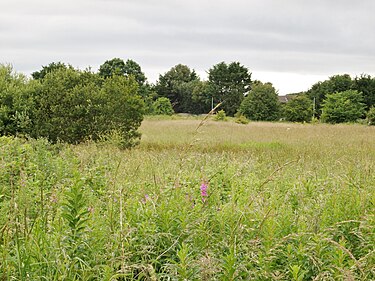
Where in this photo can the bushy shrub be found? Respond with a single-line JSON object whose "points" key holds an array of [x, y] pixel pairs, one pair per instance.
{"points": [[221, 116], [241, 119], [16, 103], [261, 104], [299, 109], [342, 107], [72, 106], [371, 116], [162, 106]]}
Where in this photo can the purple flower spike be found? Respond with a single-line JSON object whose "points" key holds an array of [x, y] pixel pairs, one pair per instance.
{"points": [[204, 193]]}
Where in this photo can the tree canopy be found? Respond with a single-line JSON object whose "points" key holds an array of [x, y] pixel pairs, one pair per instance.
{"points": [[366, 85], [298, 109], [117, 66], [49, 68], [336, 83], [261, 104], [346, 106], [228, 83], [176, 86], [70, 105]]}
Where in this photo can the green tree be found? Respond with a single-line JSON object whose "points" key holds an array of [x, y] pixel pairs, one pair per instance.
{"points": [[134, 69], [344, 106], [261, 103], [121, 109], [62, 104], [16, 102], [366, 85], [174, 85], [72, 106], [162, 106], [298, 109], [53, 66], [336, 83], [117, 66], [229, 84], [201, 99], [109, 68]]}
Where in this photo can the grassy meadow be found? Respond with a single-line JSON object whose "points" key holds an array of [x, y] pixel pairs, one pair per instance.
{"points": [[194, 201]]}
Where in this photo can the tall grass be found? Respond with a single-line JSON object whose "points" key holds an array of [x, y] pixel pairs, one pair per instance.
{"points": [[285, 202]]}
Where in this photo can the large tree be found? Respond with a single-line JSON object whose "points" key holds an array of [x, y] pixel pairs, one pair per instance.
{"points": [[177, 86], [298, 109], [117, 66], [261, 104], [346, 106], [366, 85], [53, 66], [336, 83], [228, 83], [72, 106], [16, 102]]}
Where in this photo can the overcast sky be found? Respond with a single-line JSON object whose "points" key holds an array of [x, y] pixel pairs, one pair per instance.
{"points": [[291, 43]]}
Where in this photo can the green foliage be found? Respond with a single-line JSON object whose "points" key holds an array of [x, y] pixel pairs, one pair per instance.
{"points": [[221, 116], [261, 103], [241, 119], [75, 213], [53, 66], [298, 109], [132, 68], [117, 66], [336, 83], [366, 85], [177, 85], [371, 116], [162, 106], [342, 107], [72, 106], [228, 83], [16, 102], [90, 212], [201, 100], [109, 68]]}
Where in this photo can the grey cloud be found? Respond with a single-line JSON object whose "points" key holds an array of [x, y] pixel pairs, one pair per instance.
{"points": [[268, 35]]}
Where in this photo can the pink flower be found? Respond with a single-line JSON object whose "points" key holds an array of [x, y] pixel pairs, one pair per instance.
{"points": [[145, 199], [204, 193]]}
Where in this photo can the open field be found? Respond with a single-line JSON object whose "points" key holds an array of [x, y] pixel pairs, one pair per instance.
{"points": [[211, 201]]}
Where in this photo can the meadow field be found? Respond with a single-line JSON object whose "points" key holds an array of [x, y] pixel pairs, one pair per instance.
{"points": [[194, 201]]}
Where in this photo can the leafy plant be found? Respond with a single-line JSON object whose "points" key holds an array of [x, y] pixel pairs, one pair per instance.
{"points": [[220, 116], [75, 213], [241, 119], [162, 106], [344, 106], [371, 116]]}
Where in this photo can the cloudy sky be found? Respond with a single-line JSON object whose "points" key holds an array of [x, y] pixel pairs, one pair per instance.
{"points": [[291, 43]]}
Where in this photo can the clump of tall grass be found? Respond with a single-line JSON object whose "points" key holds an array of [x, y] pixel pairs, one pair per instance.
{"points": [[255, 202]]}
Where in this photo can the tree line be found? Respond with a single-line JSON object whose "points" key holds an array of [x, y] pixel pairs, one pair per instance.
{"points": [[60, 102]]}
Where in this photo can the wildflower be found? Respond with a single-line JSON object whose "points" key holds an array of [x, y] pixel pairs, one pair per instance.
{"points": [[145, 199], [204, 193], [53, 198]]}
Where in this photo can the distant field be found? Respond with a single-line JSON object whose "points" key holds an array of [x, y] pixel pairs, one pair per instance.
{"points": [[211, 201]]}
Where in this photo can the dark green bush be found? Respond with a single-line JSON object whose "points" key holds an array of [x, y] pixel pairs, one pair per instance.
{"points": [[72, 106]]}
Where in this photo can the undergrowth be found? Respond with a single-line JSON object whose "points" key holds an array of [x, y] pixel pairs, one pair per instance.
{"points": [[269, 210]]}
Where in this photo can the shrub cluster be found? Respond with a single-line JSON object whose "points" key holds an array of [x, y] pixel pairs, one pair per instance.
{"points": [[69, 105]]}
